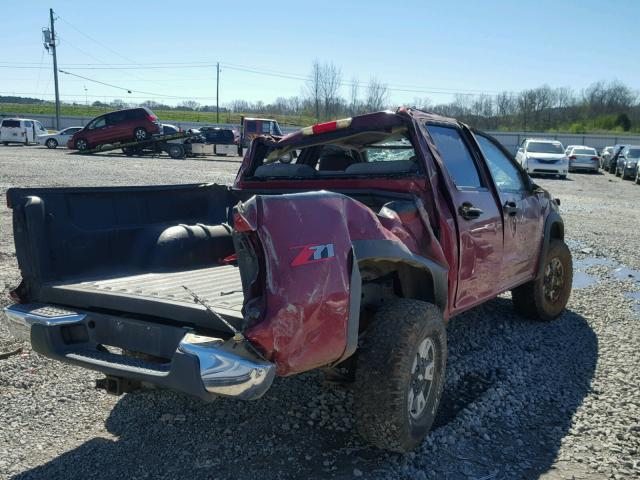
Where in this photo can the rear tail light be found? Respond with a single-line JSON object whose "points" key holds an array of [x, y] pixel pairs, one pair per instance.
{"points": [[595, 159], [240, 224], [152, 118], [326, 127]]}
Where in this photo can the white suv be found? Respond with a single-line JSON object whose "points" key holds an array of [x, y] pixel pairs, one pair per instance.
{"points": [[543, 157]]}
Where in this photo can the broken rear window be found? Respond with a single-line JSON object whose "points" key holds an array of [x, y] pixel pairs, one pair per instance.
{"points": [[361, 154]]}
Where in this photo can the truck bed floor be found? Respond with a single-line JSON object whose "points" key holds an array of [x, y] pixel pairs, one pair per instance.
{"points": [[159, 293]]}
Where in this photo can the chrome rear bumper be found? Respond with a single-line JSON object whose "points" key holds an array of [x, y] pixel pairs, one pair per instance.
{"points": [[203, 366]]}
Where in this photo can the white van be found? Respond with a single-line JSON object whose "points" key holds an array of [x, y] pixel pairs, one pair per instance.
{"points": [[20, 130]]}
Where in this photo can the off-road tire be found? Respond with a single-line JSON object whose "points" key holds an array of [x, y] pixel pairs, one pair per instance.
{"points": [[51, 143], [384, 374], [529, 300]]}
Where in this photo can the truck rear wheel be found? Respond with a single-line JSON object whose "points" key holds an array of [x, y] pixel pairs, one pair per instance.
{"points": [[400, 375], [546, 297]]}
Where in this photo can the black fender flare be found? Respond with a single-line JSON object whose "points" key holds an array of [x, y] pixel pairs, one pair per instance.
{"points": [[394, 252], [553, 228]]}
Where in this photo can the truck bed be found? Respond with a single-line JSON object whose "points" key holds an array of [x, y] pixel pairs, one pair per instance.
{"points": [[158, 294]]}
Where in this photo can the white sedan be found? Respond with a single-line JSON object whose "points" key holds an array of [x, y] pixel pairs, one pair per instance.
{"points": [[52, 140]]}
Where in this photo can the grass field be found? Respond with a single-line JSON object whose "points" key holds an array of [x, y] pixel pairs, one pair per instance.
{"points": [[164, 115]]}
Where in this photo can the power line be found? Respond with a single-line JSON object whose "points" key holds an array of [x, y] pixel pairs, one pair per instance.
{"points": [[292, 76], [130, 90]]}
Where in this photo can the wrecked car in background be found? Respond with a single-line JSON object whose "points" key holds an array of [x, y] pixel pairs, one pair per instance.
{"points": [[350, 255]]}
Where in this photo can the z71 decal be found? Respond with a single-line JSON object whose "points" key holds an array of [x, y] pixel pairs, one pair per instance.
{"points": [[313, 254]]}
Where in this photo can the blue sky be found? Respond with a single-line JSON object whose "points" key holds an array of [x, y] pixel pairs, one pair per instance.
{"points": [[432, 47]]}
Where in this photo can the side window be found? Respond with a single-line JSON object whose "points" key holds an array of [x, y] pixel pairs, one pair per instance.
{"points": [[266, 127], [136, 114], [116, 117], [98, 123], [28, 123], [456, 156], [505, 174]]}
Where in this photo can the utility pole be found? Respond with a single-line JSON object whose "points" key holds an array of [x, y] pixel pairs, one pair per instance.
{"points": [[55, 68], [217, 92]]}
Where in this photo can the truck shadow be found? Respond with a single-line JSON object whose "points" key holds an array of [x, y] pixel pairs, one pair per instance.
{"points": [[512, 389]]}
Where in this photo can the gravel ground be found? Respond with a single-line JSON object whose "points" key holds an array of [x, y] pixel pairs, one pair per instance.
{"points": [[522, 399]]}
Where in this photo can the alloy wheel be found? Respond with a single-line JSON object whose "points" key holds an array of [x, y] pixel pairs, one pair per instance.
{"points": [[553, 279], [422, 374]]}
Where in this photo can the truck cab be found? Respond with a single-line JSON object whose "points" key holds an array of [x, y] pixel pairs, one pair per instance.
{"points": [[251, 128]]}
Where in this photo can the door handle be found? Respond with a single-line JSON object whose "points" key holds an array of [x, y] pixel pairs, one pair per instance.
{"points": [[468, 211], [510, 208]]}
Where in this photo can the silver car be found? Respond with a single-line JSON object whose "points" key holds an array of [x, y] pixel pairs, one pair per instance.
{"points": [[52, 140], [583, 158], [627, 166]]}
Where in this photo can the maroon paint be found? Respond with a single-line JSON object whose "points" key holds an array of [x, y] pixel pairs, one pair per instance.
{"points": [[305, 322]]}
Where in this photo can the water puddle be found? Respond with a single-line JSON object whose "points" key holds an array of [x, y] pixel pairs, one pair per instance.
{"points": [[636, 297], [624, 273], [581, 279], [585, 263]]}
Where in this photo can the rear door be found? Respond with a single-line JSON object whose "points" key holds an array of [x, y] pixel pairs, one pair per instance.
{"points": [[520, 210], [29, 131], [479, 219], [120, 125]]}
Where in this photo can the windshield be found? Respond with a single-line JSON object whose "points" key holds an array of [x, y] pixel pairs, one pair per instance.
{"points": [[544, 147], [633, 153], [584, 151]]}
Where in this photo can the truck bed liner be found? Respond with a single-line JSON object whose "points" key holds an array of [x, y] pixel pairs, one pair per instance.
{"points": [[159, 293]]}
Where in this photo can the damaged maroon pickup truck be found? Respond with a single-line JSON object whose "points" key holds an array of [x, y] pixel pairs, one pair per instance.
{"points": [[344, 246]]}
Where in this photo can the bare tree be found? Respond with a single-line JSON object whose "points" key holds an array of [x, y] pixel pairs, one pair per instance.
{"points": [[354, 107], [314, 86], [189, 105], [330, 80], [377, 95]]}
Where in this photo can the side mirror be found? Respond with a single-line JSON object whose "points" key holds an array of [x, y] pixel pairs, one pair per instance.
{"points": [[535, 188]]}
